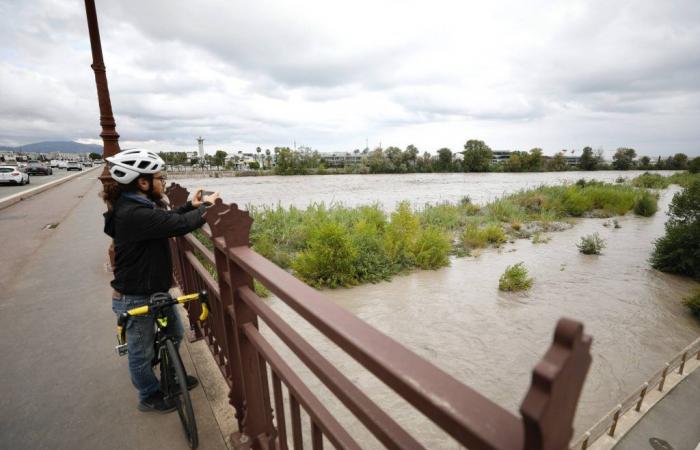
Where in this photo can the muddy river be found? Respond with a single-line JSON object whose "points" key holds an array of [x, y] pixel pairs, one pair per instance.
{"points": [[456, 318]]}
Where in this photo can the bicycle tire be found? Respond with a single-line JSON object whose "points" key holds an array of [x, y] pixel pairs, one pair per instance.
{"points": [[174, 385]]}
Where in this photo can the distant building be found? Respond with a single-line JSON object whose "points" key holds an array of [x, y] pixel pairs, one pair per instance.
{"points": [[7, 157], [341, 159], [500, 156], [573, 161]]}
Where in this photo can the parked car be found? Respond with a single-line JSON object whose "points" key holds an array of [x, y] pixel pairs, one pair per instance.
{"points": [[87, 163], [38, 168], [13, 175], [73, 165]]}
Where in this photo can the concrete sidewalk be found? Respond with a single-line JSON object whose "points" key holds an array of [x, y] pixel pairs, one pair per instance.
{"points": [[674, 421], [61, 384]]}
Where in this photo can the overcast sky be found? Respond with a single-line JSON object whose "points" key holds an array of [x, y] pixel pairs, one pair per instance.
{"points": [[329, 75]]}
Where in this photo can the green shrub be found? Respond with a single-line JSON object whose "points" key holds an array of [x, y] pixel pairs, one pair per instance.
{"points": [[400, 236], [694, 165], [576, 203], [371, 263], [443, 215], [592, 244], [651, 181], [515, 278], [678, 251], [494, 234], [645, 205], [684, 179], [432, 249], [329, 258], [474, 236], [693, 303]]}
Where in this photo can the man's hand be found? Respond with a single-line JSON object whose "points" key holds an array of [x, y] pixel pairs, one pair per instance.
{"points": [[199, 198]]}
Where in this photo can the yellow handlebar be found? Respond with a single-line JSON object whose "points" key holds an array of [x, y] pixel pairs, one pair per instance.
{"points": [[187, 298], [140, 311], [205, 313]]}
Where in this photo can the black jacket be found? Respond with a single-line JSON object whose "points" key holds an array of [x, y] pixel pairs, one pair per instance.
{"points": [[140, 231]]}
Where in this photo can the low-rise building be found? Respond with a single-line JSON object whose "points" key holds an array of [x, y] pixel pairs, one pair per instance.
{"points": [[573, 161], [341, 159], [499, 156], [7, 157]]}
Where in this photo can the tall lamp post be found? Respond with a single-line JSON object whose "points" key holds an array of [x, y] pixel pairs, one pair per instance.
{"points": [[110, 137]]}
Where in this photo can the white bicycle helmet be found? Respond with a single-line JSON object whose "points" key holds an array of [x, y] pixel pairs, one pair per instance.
{"points": [[126, 166]]}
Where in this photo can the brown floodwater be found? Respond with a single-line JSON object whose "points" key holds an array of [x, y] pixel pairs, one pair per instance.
{"points": [[456, 318], [419, 188]]}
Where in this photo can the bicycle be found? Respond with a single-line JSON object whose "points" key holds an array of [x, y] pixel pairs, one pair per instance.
{"points": [[173, 380]]}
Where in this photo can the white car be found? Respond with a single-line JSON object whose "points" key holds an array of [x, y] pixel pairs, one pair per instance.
{"points": [[62, 164], [73, 165], [13, 175]]}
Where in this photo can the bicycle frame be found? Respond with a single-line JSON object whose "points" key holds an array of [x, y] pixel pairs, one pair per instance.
{"points": [[158, 304]]}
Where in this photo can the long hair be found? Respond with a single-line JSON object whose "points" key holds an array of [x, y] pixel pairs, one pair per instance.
{"points": [[112, 191]]}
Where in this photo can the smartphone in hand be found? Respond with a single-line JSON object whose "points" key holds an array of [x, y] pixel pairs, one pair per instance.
{"points": [[203, 194]]}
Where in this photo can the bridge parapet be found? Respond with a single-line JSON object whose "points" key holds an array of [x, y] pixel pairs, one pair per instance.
{"points": [[608, 424], [227, 267]]}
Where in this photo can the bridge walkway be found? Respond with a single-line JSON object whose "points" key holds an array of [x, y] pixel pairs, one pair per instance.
{"points": [[673, 423], [61, 384]]}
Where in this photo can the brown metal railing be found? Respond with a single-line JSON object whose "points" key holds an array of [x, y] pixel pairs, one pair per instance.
{"points": [[608, 424], [246, 357]]}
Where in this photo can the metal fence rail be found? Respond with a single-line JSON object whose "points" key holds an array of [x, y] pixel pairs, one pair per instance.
{"points": [[227, 267], [608, 424]]}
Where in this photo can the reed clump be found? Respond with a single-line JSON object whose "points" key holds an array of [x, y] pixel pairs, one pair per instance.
{"points": [[592, 244], [515, 278]]}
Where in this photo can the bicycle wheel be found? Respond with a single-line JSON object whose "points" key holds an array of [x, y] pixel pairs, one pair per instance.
{"points": [[174, 384]]}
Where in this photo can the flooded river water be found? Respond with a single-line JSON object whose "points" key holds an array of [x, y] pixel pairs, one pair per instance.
{"points": [[456, 318]]}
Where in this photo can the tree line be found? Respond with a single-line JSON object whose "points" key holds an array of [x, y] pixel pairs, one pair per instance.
{"points": [[476, 156]]}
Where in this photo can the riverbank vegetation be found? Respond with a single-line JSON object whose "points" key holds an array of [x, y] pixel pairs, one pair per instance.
{"points": [[475, 156], [657, 181], [335, 245], [693, 303], [678, 251], [515, 278]]}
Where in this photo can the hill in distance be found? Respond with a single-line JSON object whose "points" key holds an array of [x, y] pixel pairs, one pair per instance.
{"points": [[56, 146]]}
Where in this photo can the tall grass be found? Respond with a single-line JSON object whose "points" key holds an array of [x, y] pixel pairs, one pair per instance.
{"points": [[335, 245], [658, 181]]}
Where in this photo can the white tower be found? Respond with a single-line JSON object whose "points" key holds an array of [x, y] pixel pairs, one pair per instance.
{"points": [[200, 141]]}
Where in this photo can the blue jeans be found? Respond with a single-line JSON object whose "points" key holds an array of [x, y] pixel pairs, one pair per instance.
{"points": [[140, 335]]}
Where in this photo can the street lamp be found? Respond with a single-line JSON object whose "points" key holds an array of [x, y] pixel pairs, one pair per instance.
{"points": [[110, 137]]}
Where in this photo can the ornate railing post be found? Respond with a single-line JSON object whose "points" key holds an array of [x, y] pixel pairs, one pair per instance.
{"points": [[177, 197], [234, 226], [550, 404]]}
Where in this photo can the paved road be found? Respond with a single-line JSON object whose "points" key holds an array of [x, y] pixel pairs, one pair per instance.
{"points": [[61, 385], [7, 190], [672, 424]]}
